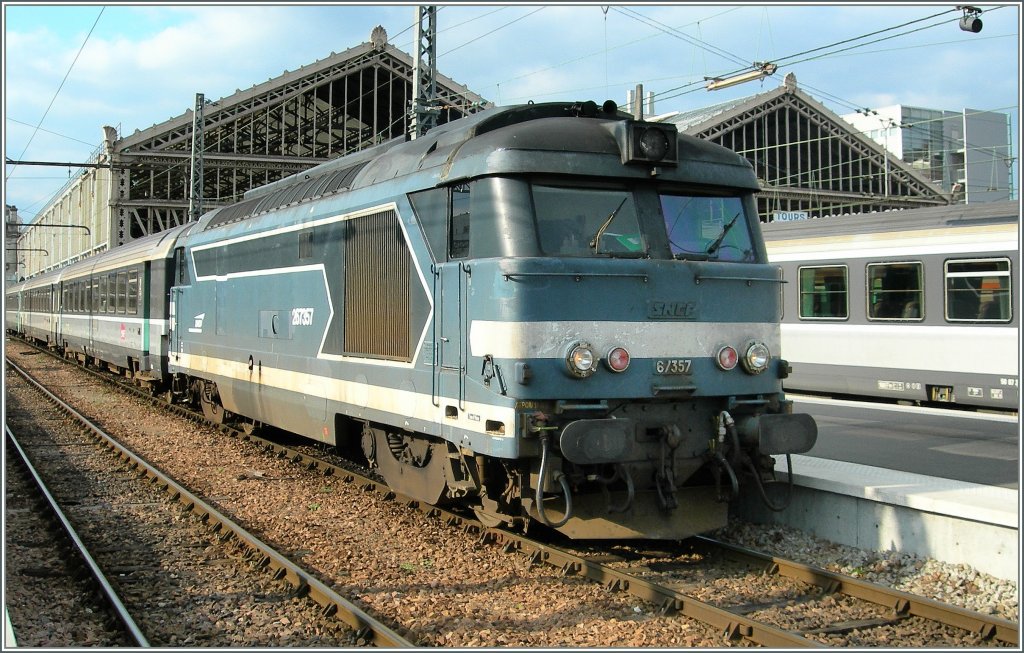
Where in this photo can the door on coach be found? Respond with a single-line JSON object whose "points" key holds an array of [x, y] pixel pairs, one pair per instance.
{"points": [[56, 308], [180, 273]]}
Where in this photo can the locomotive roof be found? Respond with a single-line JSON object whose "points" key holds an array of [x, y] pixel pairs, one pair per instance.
{"points": [[553, 138], [957, 215]]}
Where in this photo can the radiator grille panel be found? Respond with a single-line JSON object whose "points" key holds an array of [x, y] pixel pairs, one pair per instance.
{"points": [[377, 276]]}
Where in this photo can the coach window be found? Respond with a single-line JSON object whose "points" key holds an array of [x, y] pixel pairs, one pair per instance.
{"points": [[133, 292], [122, 291], [978, 290], [95, 290], [823, 292], [112, 292], [101, 280], [895, 291]]}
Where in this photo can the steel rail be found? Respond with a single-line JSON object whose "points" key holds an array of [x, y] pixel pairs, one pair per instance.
{"points": [[732, 626], [304, 583], [120, 611], [902, 603], [670, 601]]}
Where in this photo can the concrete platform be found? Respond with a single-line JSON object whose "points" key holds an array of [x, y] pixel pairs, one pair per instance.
{"points": [[884, 510], [9, 640]]}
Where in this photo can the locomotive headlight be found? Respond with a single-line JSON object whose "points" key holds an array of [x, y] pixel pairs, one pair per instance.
{"points": [[653, 144], [648, 143], [580, 360], [756, 358], [726, 357]]}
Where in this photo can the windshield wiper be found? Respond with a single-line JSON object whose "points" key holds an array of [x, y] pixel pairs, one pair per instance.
{"points": [[596, 240], [713, 247]]}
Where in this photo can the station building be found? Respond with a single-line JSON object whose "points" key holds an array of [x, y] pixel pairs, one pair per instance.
{"points": [[139, 184], [966, 153], [810, 162]]}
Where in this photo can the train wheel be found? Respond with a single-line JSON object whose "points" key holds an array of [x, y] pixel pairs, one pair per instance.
{"points": [[490, 520], [209, 399]]}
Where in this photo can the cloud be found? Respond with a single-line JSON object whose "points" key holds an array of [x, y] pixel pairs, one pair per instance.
{"points": [[143, 64]]}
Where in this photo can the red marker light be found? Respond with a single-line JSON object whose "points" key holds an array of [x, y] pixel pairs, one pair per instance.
{"points": [[617, 359], [727, 358]]}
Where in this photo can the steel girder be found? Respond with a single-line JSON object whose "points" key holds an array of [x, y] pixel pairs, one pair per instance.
{"points": [[809, 160]]}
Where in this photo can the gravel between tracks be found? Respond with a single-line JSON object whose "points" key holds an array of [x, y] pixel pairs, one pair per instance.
{"points": [[442, 584]]}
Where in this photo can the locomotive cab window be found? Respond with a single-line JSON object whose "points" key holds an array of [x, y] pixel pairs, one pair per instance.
{"points": [[823, 292], [701, 227], [978, 290], [444, 215], [895, 291], [458, 233], [581, 222]]}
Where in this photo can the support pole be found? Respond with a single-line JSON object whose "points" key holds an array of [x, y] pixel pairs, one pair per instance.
{"points": [[424, 81], [195, 196]]}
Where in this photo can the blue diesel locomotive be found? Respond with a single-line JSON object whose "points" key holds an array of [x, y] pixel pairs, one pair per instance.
{"points": [[547, 312]]}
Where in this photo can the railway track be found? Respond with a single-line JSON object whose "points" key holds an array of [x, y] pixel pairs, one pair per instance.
{"points": [[63, 571], [817, 606], [132, 559], [770, 621]]}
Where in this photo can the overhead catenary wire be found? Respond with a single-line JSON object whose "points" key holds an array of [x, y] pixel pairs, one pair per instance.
{"points": [[862, 36], [671, 31], [785, 60], [696, 84], [501, 27], [54, 98]]}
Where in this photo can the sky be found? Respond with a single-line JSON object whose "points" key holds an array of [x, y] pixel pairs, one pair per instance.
{"points": [[71, 69]]}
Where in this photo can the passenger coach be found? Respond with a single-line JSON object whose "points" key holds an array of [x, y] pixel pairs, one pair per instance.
{"points": [[108, 310], [919, 305]]}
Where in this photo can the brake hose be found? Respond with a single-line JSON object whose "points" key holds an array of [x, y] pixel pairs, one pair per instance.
{"points": [[540, 487]]}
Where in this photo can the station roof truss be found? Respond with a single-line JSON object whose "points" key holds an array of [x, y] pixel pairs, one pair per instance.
{"points": [[808, 159], [341, 104]]}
